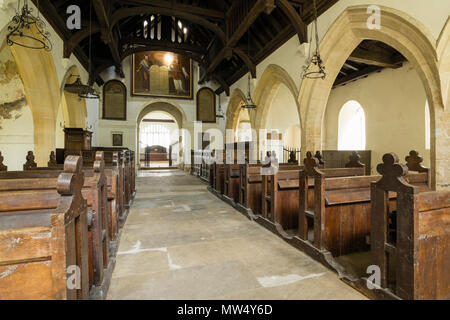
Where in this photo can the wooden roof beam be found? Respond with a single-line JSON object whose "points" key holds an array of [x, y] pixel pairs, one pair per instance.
{"points": [[294, 18], [246, 59], [373, 58], [137, 11], [356, 75], [259, 7], [107, 33], [206, 13], [224, 85]]}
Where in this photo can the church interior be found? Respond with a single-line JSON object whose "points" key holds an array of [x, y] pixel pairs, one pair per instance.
{"points": [[224, 149]]}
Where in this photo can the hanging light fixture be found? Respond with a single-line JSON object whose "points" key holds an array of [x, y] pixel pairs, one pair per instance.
{"points": [[220, 114], [85, 91], [314, 69], [249, 104], [20, 29]]}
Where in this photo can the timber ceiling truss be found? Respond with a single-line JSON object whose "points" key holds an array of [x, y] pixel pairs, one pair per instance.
{"points": [[228, 38], [212, 32]]}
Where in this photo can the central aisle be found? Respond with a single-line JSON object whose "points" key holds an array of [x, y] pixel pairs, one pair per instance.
{"points": [[181, 242]]}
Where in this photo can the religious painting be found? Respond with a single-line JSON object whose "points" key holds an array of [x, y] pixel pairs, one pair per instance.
{"points": [[161, 74], [206, 105], [117, 139], [114, 100]]}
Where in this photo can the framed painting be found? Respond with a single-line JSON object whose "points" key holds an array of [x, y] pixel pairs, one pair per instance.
{"points": [[117, 139], [161, 74], [206, 105], [114, 101]]}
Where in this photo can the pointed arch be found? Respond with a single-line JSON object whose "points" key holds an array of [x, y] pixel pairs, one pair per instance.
{"points": [[237, 100], [40, 80], [443, 52], [172, 109], [73, 108], [273, 77], [400, 31]]}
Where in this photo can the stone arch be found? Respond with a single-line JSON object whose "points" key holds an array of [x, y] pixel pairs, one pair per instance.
{"points": [[443, 50], [40, 80], [73, 108], [400, 31], [235, 104], [171, 109], [273, 77]]}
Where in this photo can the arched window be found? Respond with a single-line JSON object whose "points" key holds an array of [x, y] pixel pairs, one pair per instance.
{"points": [[352, 127], [155, 134]]}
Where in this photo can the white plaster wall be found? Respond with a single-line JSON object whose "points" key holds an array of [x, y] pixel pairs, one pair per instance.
{"points": [[283, 111], [16, 139], [394, 104], [292, 137]]}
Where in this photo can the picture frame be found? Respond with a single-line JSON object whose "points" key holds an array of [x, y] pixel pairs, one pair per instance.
{"points": [[117, 139], [162, 74]]}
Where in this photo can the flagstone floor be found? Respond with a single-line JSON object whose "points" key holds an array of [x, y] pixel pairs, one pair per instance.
{"points": [[181, 242]]}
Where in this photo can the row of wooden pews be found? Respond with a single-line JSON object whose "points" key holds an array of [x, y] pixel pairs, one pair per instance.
{"points": [[70, 215], [350, 221]]}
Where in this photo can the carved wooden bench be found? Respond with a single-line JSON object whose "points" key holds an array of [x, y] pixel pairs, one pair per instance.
{"points": [[94, 190], [43, 236], [337, 209], [422, 245]]}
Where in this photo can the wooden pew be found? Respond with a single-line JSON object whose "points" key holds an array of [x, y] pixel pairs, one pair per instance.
{"points": [[279, 195], [231, 173], [250, 186], [206, 166], [231, 182], [94, 191], [337, 209], [127, 167], [421, 250], [281, 192], [219, 171], [250, 181], [114, 175], [43, 234], [212, 169]]}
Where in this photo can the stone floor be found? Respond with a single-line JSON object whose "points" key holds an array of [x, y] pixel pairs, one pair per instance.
{"points": [[181, 242]]}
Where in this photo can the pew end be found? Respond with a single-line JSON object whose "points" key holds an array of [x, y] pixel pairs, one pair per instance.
{"points": [[44, 239]]}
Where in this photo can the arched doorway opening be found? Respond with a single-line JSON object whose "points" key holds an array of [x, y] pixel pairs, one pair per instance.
{"points": [[276, 98], [399, 31], [159, 136], [244, 127], [234, 110], [72, 111]]}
